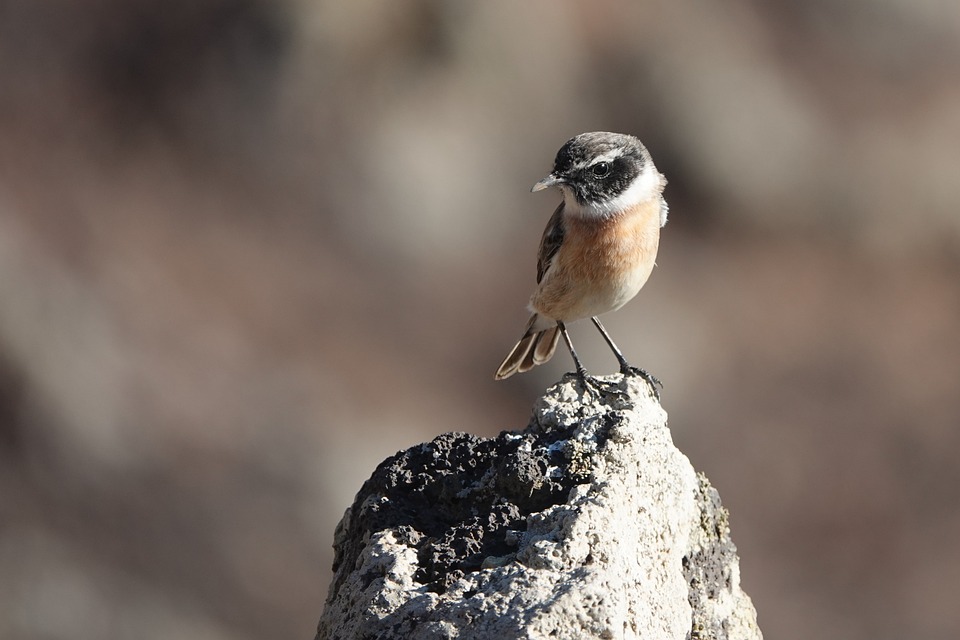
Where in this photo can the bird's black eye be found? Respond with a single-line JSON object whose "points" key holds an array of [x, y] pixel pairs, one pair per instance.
{"points": [[601, 169]]}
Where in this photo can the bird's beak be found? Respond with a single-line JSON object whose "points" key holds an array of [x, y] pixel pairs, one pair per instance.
{"points": [[549, 181]]}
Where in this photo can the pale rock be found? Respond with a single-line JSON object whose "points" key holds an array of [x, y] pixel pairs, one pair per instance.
{"points": [[589, 523]]}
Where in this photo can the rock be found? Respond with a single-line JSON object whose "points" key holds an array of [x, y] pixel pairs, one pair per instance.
{"points": [[589, 523]]}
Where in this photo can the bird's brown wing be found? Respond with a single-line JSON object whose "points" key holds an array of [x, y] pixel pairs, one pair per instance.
{"points": [[550, 242]]}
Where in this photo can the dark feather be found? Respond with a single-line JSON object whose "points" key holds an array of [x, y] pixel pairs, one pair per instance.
{"points": [[546, 345], [527, 363], [534, 348], [550, 242]]}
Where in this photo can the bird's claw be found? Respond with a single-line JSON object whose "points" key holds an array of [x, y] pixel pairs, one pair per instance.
{"points": [[651, 379], [588, 382]]}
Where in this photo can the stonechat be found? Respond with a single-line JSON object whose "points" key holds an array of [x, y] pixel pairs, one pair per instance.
{"points": [[598, 249]]}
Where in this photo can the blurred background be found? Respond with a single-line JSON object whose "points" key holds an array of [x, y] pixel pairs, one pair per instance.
{"points": [[250, 248]]}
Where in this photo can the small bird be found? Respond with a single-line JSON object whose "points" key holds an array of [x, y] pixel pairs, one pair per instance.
{"points": [[598, 249]]}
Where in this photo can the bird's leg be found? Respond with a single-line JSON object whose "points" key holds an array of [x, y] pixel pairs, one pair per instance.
{"points": [[586, 380], [625, 367]]}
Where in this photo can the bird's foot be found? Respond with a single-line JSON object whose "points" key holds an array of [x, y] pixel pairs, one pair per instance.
{"points": [[651, 379], [589, 383]]}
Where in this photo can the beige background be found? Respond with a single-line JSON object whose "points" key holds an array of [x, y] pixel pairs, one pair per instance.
{"points": [[248, 249]]}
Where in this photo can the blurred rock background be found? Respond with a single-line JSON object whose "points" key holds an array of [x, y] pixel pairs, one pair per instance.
{"points": [[248, 249]]}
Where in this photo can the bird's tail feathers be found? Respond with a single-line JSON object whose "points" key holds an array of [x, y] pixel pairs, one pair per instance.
{"points": [[534, 348]]}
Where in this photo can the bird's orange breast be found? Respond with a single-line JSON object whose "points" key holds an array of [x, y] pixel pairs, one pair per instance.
{"points": [[601, 264]]}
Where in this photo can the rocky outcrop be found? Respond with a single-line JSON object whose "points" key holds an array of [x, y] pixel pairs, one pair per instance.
{"points": [[589, 523]]}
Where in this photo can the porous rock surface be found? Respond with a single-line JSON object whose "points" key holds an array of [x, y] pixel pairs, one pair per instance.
{"points": [[589, 523]]}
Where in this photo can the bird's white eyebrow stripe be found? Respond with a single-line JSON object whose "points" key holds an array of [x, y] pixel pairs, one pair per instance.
{"points": [[609, 156]]}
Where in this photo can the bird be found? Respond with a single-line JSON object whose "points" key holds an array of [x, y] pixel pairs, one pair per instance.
{"points": [[598, 249]]}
